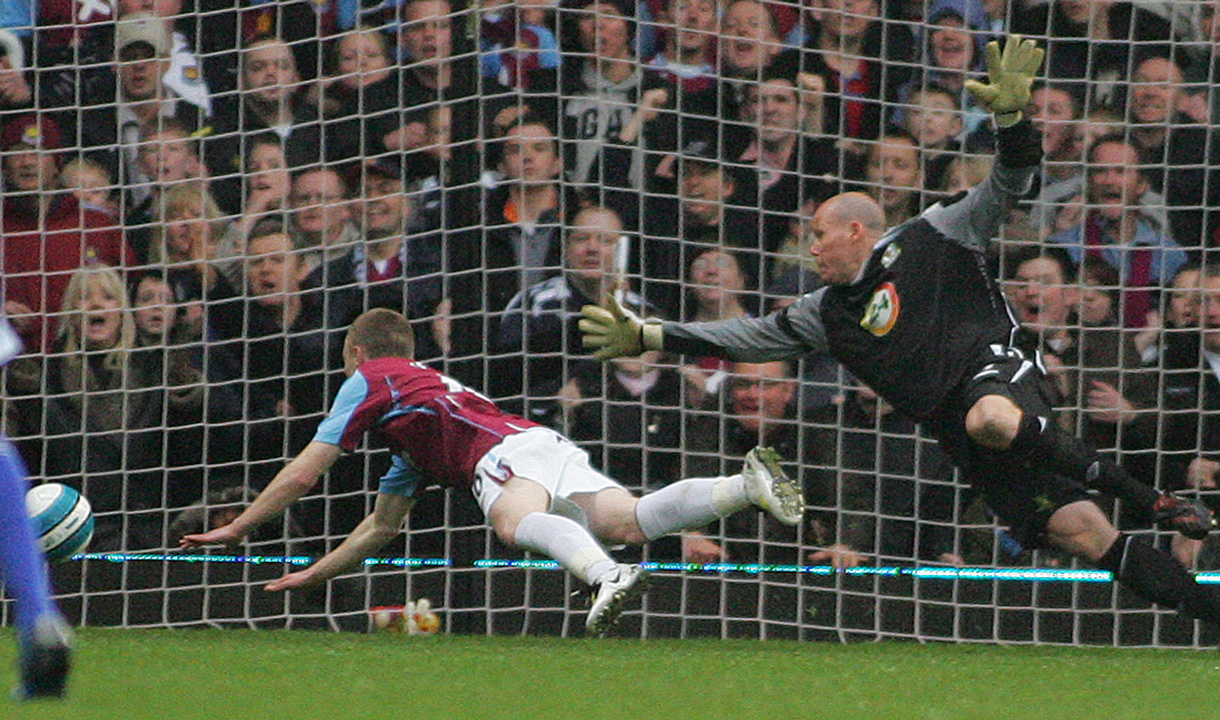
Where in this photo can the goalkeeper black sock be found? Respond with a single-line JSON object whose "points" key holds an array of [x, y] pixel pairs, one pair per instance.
{"points": [[1039, 440], [1158, 577]]}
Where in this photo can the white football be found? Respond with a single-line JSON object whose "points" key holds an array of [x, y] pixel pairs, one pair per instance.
{"points": [[63, 520]]}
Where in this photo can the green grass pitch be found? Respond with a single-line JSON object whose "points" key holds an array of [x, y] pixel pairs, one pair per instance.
{"points": [[300, 675]]}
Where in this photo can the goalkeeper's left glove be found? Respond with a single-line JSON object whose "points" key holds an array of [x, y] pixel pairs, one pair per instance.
{"points": [[617, 331], [1011, 73]]}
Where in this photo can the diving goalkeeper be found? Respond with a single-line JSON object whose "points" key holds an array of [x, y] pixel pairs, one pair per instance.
{"points": [[913, 313]]}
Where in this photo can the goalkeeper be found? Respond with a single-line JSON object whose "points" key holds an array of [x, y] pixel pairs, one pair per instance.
{"points": [[913, 313], [535, 486]]}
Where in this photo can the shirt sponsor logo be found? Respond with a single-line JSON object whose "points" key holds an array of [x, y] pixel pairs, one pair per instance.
{"points": [[882, 310]]}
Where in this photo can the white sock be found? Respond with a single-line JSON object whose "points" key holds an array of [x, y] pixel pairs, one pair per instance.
{"points": [[689, 504], [567, 542]]}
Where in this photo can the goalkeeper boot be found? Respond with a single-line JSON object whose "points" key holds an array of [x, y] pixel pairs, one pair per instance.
{"points": [[613, 593], [1189, 517], [768, 487], [45, 659]]}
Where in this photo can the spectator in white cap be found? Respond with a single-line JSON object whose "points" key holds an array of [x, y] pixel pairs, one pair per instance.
{"points": [[185, 73], [113, 129]]}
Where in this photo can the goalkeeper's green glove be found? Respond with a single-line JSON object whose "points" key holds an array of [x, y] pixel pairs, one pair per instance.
{"points": [[1011, 73], [616, 331]]}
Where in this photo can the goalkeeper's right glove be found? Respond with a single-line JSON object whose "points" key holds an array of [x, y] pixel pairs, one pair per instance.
{"points": [[616, 331]]}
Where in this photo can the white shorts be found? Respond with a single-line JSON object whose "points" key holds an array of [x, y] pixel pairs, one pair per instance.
{"points": [[547, 458]]}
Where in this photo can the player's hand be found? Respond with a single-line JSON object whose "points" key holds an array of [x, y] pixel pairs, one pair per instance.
{"points": [[220, 536], [293, 581], [1011, 73], [611, 328]]}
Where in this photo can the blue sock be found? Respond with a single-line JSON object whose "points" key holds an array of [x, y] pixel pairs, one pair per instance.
{"points": [[21, 564]]}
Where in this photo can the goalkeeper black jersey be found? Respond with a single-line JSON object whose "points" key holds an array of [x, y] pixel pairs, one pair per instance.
{"points": [[922, 311], [918, 320]]}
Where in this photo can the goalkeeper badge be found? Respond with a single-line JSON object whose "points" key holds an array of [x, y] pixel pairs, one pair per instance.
{"points": [[882, 310]]}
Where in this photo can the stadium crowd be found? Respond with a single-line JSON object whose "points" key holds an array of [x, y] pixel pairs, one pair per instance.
{"points": [[198, 198]]}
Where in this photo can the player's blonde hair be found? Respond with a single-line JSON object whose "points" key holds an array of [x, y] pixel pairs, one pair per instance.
{"points": [[383, 333]]}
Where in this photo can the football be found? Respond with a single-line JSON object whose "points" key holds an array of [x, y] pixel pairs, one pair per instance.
{"points": [[63, 520]]}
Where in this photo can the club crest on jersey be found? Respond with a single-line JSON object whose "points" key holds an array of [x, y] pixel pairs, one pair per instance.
{"points": [[882, 310], [890, 255]]}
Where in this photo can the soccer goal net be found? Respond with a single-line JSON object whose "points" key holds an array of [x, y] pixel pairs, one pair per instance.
{"points": [[199, 197]]}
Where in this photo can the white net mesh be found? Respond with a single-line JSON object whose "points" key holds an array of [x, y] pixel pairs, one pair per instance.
{"points": [[259, 174]]}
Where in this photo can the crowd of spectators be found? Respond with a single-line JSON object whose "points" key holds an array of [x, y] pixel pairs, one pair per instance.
{"points": [[199, 197]]}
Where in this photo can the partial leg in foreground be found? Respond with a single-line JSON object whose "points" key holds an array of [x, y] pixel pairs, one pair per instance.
{"points": [[45, 659], [42, 634]]}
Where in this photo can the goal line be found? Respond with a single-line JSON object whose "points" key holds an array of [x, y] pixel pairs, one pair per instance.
{"points": [[917, 571]]}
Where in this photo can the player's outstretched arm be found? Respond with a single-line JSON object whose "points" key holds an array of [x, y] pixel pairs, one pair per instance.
{"points": [[370, 535], [782, 335], [614, 331], [1010, 73], [975, 219], [297, 478]]}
